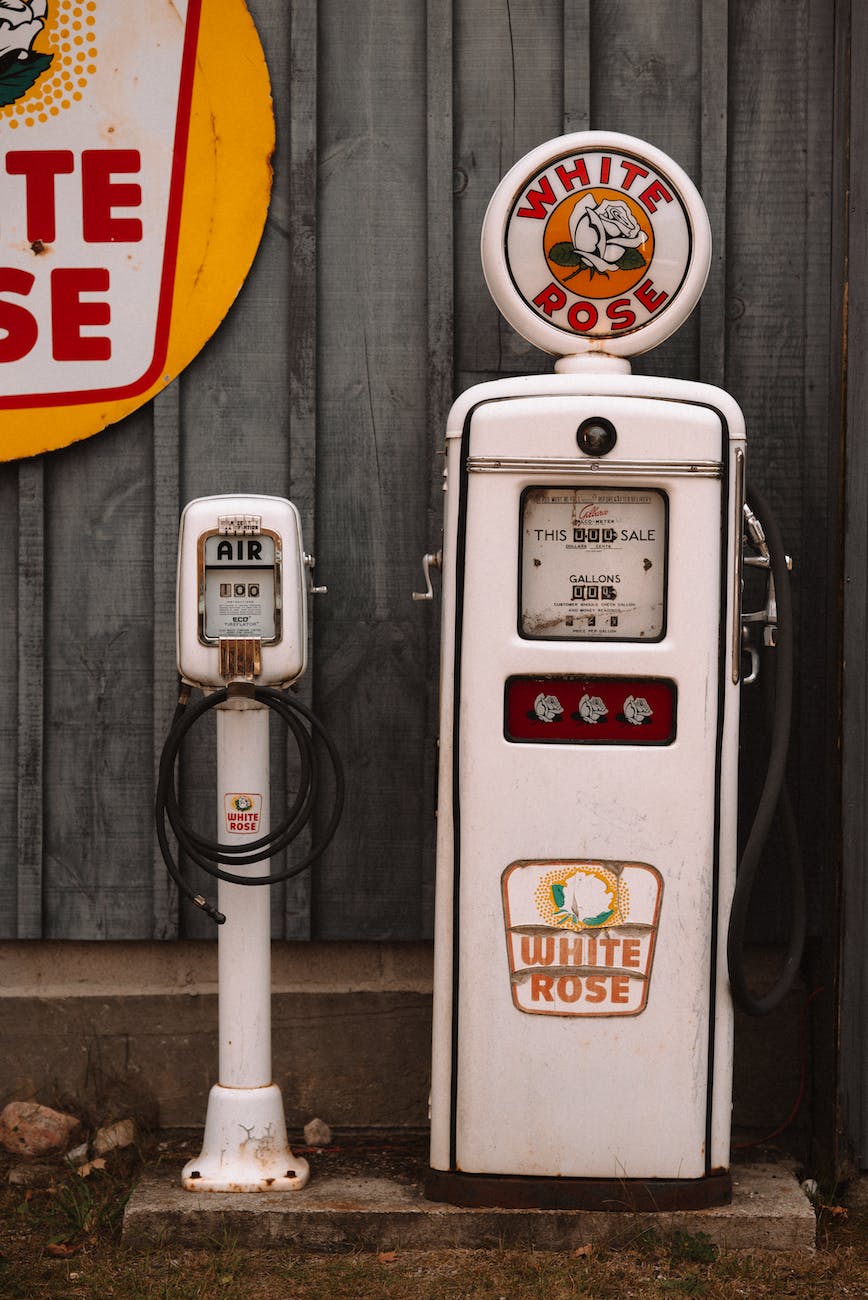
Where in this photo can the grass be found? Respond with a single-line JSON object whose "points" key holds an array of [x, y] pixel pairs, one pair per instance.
{"points": [[63, 1240]]}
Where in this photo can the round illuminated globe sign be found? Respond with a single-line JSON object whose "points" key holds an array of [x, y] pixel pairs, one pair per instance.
{"points": [[596, 242]]}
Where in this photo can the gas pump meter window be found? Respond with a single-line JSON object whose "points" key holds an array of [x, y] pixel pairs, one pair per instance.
{"points": [[593, 563], [239, 581]]}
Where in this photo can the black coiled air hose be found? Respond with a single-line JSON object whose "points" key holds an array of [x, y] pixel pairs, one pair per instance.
{"points": [[209, 854], [774, 794]]}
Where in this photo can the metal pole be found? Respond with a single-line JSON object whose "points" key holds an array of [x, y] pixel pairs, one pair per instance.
{"points": [[244, 1148]]}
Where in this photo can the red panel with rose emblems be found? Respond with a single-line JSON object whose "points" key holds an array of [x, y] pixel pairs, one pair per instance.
{"points": [[590, 710]]}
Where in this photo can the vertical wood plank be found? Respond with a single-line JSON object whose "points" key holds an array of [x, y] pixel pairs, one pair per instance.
{"points": [[711, 182], [98, 710], [577, 65], [509, 97], [301, 130], [853, 988], [440, 388], [9, 775], [31, 682], [373, 459], [166, 438], [234, 412], [646, 65]]}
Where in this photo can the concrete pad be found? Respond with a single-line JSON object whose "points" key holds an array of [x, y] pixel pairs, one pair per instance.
{"points": [[769, 1211]]}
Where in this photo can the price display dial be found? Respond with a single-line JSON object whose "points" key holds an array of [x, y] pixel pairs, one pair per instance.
{"points": [[593, 564]]}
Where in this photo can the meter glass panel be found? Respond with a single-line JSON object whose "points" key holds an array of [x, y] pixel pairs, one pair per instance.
{"points": [[593, 564], [238, 583]]}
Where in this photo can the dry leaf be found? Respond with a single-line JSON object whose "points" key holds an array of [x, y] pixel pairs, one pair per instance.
{"points": [[84, 1170], [387, 1256], [60, 1250], [584, 1250]]}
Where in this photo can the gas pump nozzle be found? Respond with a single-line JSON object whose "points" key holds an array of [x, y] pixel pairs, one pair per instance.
{"points": [[767, 616]]}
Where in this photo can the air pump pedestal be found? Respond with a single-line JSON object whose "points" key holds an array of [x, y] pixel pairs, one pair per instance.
{"points": [[245, 1147]]}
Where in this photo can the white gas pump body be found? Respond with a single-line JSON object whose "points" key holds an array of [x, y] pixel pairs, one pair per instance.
{"points": [[572, 1043]]}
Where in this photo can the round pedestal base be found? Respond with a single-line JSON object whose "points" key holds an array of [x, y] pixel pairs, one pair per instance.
{"points": [[245, 1147]]}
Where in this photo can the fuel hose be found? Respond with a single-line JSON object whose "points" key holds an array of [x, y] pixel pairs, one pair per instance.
{"points": [[209, 854], [774, 797]]}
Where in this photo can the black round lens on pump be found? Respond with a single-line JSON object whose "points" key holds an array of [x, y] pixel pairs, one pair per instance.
{"points": [[596, 436]]}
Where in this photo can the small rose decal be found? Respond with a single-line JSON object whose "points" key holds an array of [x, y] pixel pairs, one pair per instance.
{"points": [[591, 709], [605, 237], [21, 21], [637, 711], [547, 708]]}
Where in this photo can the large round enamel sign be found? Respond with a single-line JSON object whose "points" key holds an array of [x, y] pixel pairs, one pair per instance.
{"points": [[135, 146], [596, 242]]}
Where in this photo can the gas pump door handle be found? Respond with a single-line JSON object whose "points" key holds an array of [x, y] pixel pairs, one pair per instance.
{"points": [[432, 560]]}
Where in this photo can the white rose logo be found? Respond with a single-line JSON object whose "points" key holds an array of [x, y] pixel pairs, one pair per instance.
{"points": [[20, 24], [591, 709], [637, 711], [602, 239], [547, 708]]}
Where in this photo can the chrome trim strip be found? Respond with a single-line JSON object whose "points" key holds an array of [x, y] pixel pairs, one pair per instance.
{"points": [[609, 468], [737, 562]]}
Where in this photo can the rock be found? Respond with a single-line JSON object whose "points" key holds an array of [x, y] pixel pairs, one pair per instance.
{"points": [[41, 1176], [78, 1155], [317, 1133], [115, 1136], [28, 1129]]}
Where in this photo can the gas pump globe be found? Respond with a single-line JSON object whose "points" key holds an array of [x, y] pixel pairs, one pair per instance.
{"points": [[591, 659]]}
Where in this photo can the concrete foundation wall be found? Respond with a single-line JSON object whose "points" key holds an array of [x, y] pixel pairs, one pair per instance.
{"points": [[132, 1026], [123, 1025]]}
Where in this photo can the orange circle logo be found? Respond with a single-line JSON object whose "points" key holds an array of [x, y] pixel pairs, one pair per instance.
{"points": [[598, 243]]}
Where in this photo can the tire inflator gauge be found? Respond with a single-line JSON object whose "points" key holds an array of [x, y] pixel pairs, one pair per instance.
{"points": [[243, 580]]}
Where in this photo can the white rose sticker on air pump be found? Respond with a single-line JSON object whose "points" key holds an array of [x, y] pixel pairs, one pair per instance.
{"points": [[596, 242]]}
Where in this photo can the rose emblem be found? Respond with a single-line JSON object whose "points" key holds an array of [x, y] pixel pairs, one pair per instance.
{"points": [[637, 711], [21, 21], [591, 709], [605, 236], [547, 708], [242, 803]]}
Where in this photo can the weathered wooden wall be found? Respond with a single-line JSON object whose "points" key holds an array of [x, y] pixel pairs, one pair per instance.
{"points": [[365, 313]]}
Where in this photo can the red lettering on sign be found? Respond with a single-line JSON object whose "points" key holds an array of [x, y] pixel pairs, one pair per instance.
{"points": [[648, 298], [69, 314], [631, 171], [620, 988], [621, 314], [630, 954], [579, 172], [569, 988], [541, 987], [605, 164], [551, 299], [538, 953], [19, 324], [100, 194], [595, 988], [39, 168], [539, 200], [582, 316], [654, 194]]}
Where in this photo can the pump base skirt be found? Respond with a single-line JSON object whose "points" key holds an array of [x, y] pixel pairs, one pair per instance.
{"points": [[627, 1195]]}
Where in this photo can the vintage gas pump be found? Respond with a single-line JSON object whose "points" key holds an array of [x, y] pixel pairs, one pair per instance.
{"points": [[243, 578], [591, 660]]}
